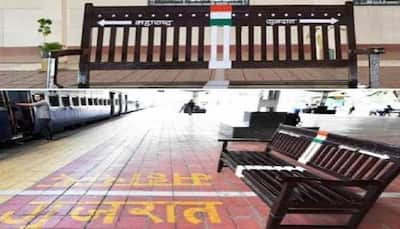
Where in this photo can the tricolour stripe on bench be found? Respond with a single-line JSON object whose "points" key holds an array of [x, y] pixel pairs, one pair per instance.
{"points": [[314, 146], [220, 16]]}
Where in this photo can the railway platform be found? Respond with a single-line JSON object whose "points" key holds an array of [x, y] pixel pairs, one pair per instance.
{"points": [[150, 169]]}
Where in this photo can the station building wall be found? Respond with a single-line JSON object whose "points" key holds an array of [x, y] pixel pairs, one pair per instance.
{"points": [[18, 26]]}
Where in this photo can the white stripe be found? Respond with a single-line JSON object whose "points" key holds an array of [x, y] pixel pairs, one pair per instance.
{"points": [[289, 133], [381, 156], [214, 44], [151, 193], [226, 63], [221, 15], [347, 148], [227, 43], [240, 168]]}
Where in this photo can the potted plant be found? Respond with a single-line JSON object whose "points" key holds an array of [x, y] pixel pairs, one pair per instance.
{"points": [[46, 47]]}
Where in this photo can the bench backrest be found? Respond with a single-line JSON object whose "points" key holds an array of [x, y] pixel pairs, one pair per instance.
{"points": [[355, 159], [157, 37], [342, 157], [291, 141], [297, 29]]}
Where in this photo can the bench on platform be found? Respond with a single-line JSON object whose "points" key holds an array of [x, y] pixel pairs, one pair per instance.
{"points": [[168, 37], [308, 172]]}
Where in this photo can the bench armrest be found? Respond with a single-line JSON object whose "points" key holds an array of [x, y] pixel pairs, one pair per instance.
{"points": [[374, 56], [52, 71], [244, 140], [66, 52], [368, 51], [347, 183]]}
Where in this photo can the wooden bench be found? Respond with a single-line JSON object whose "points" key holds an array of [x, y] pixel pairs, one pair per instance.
{"points": [[308, 172], [266, 37]]}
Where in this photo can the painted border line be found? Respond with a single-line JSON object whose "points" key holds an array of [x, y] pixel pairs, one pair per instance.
{"points": [[141, 193], [128, 193]]}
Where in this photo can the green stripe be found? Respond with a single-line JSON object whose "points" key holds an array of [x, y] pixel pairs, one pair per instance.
{"points": [[220, 22], [316, 140]]}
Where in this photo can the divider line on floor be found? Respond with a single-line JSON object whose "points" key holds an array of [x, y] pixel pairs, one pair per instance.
{"points": [[144, 193]]}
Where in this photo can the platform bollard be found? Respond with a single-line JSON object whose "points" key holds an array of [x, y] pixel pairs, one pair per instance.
{"points": [[374, 71], [51, 67]]}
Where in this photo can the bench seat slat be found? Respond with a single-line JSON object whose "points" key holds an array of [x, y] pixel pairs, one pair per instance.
{"points": [[275, 32], [175, 51], [313, 43], [125, 40], [200, 51], [150, 44], [99, 45], [111, 51], [138, 43], [163, 44], [263, 43], [188, 48], [304, 194], [325, 42], [300, 40]]}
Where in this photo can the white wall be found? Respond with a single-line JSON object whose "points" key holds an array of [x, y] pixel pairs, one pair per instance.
{"points": [[19, 21], [18, 26]]}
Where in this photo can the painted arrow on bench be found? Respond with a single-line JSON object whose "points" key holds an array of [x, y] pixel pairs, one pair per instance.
{"points": [[105, 22], [319, 21]]}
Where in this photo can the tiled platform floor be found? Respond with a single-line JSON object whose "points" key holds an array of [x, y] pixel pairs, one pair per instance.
{"points": [[187, 78], [144, 170], [193, 78]]}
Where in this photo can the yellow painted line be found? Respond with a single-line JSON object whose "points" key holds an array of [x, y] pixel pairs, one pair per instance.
{"points": [[26, 165]]}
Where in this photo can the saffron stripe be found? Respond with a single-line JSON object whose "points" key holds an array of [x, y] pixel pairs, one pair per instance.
{"points": [[221, 8]]}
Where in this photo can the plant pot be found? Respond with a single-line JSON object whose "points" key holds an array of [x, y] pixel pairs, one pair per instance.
{"points": [[44, 65], [44, 54]]}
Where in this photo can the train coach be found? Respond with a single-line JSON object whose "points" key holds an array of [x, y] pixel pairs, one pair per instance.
{"points": [[67, 109]]}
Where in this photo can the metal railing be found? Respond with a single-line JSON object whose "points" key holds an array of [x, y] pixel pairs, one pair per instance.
{"points": [[377, 2], [197, 2]]}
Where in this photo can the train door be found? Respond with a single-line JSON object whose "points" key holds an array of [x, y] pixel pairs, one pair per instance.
{"points": [[22, 119], [112, 103], [126, 103], [6, 122], [120, 103]]}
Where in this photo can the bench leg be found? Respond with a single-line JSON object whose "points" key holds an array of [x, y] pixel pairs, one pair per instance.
{"points": [[357, 218], [221, 164], [274, 221], [353, 84], [83, 78]]}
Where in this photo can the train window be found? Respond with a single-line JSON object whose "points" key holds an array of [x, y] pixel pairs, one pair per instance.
{"points": [[100, 102], [75, 101], [95, 102], [83, 101], [90, 101], [65, 101], [108, 102], [116, 102], [54, 101]]}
